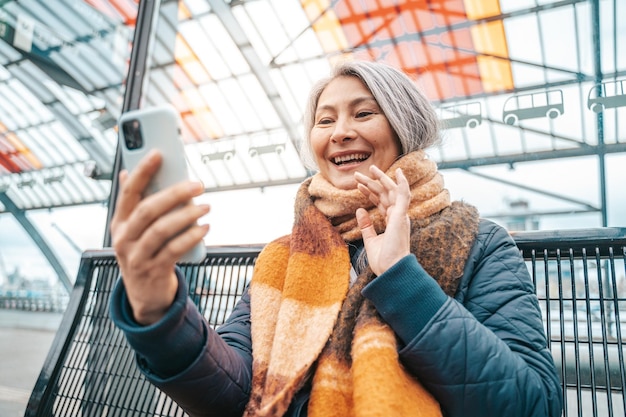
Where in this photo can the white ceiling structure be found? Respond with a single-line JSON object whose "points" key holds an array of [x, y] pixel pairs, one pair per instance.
{"points": [[515, 81]]}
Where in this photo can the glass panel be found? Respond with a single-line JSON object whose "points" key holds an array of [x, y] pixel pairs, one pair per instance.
{"points": [[62, 77]]}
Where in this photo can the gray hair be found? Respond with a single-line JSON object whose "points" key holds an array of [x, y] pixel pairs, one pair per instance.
{"points": [[409, 112]]}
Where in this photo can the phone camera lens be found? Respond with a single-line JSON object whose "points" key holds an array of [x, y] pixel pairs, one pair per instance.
{"points": [[132, 134]]}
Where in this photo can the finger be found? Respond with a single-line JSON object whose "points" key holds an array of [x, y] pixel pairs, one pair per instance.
{"points": [[398, 215], [123, 176], [364, 190], [179, 245], [384, 179], [135, 183], [362, 179], [365, 224], [373, 198], [117, 216], [404, 190], [371, 184], [382, 208], [169, 226], [367, 180], [159, 205], [385, 186]]}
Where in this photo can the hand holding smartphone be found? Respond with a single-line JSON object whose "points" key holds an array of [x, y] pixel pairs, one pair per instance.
{"points": [[142, 130]]}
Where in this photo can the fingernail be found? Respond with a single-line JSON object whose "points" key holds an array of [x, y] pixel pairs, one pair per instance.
{"points": [[196, 187], [153, 153]]}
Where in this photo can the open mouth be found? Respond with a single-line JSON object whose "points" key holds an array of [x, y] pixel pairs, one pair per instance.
{"points": [[350, 159]]}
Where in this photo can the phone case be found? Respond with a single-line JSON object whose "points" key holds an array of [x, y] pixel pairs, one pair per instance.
{"points": [[159, 128]]}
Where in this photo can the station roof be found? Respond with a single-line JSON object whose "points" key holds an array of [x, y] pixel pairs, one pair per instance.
{"points": [[513, 81]]}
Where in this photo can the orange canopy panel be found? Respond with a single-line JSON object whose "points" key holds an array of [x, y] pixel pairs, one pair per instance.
{"points": [[452, 47], [15, 157], [124, 10]]}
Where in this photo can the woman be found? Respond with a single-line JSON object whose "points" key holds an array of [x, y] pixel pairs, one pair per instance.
{"points": [[387, 299]]}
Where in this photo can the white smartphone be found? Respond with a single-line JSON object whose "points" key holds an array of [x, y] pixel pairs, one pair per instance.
{"points": [[157, 127]]}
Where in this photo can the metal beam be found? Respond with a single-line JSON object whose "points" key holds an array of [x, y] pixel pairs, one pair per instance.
{"points": [[260, 184], [537, 214], [137, 69], [535, 156], [597, 58], [224, 13], [20, 216], [535, 190]]}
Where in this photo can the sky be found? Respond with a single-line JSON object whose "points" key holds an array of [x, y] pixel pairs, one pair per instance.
{"points": [[260, 215]]}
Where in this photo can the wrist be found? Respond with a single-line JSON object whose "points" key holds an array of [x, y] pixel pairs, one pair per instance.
{"points": [[148, 307], [390, 263], [146, 316]]}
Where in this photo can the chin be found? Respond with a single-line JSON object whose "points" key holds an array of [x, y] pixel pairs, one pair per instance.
{"points": [[345, 185]]}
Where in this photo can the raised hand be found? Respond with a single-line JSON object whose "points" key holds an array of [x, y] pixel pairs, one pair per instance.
{"points": [[392, 199], [147, 237]]}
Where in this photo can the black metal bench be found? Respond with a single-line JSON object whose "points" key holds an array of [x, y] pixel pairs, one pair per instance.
{"points": [[580, 279], [579, 276]]}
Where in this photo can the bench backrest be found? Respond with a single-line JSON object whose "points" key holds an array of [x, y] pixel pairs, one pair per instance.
{"points": [[580, 279], [90, 370], [579, 276]]}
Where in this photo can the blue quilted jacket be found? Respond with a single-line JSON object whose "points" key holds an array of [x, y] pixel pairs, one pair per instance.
{"points": [[482, 353]]}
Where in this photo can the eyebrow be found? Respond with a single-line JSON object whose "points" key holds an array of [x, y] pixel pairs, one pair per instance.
{"points": [[354, 102]]}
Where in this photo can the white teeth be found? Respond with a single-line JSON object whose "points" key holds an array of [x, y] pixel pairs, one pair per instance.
{"points": [[351, 157]]}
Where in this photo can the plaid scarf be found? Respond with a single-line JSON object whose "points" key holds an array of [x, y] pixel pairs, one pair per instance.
{"points": [[308, 322]]}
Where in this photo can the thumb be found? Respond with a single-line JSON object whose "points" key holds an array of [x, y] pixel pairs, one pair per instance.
{"points": [[365, 224]]}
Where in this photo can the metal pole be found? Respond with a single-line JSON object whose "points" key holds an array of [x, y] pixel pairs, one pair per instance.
{"points": [[132, 96], [595, 24]]}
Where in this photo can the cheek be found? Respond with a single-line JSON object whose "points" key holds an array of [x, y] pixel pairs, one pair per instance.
{"points": [[317, 144]]}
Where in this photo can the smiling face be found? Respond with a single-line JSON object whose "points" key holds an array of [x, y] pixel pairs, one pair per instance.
{"points": [[350, 133]]}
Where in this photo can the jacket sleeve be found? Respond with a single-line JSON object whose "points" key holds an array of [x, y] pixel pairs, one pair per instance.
{"points": [[207, 372], [484, 352]]}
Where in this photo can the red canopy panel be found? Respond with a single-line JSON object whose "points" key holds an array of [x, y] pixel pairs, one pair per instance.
{"points": [[124, 10], [449, 46], [15, 157]]}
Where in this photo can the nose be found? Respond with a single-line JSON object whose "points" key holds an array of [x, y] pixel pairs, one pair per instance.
{"points": [[342, 132]]}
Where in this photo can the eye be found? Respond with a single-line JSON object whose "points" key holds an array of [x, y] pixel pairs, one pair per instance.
{"points": [[364, 113], [324, 121]]}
